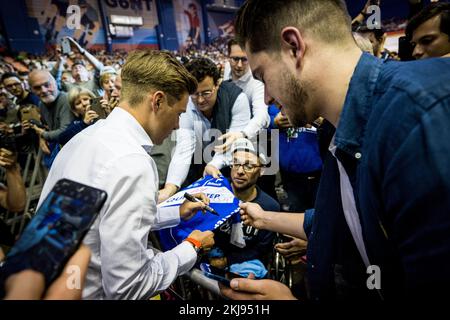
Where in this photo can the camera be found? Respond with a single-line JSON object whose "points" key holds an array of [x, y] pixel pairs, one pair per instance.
{"points": [[15, 141]]}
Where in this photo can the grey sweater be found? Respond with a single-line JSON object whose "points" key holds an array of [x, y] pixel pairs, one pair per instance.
{"points": [[57, 116]]}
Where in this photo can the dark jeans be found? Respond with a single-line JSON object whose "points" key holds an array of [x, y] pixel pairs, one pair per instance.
{"points": [[301, 189]]}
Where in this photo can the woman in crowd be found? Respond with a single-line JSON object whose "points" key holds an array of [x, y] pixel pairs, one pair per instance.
{"points": [[80, 100]]}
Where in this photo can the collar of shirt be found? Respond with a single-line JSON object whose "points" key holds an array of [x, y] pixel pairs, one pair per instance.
{"points": [[124, 118], [199, 115], [246, 77], [357, 106]]}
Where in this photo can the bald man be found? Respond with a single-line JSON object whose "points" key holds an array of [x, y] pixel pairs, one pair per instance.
{"points": [[54, 106]]}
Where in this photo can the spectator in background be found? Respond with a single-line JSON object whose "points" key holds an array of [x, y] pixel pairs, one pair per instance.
{"points": [[377, 37], [429, 31], [220, 106], [15, 86], [241, 75], [247, 167], [54, 106], [300, 162], [80, 74], [80, 103], [108, 80]]}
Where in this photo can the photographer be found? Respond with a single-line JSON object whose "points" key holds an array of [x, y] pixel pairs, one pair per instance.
{"points": [[80, 104]]}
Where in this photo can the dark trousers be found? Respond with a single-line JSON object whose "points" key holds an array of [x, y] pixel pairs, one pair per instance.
{"points": [[301, 189]]}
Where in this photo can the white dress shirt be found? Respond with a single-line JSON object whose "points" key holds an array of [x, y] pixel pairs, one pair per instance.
{"points": [[254, 89], [194, 136], [112, 155]]}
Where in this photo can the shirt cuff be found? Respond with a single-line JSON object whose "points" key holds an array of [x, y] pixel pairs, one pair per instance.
{"points": [[308, 221], [166, 217], [186, 255]]}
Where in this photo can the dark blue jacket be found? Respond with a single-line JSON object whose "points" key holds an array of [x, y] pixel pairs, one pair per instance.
{"points": [[74, 127], [393, 139], [300, 153]]}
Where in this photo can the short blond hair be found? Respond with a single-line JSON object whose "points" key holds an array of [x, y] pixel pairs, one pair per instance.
{"points": [[147, 70], [76, 92], [105, 77]]}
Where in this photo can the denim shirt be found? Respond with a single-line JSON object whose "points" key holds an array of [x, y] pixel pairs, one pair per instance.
{"points": [[393, 139]]}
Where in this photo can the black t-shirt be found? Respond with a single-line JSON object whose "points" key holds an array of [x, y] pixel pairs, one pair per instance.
{"points": [[259, 243]]}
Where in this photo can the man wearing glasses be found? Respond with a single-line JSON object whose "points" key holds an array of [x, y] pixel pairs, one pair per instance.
{"points": [[247, 166], [11, 81], [241, 75], [214, 109]]}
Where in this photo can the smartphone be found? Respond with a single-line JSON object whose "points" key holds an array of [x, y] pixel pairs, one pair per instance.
{"points": [[55, 232], [30, 112], [221, 275], [97, 107], [405, 49], [65, 46]]}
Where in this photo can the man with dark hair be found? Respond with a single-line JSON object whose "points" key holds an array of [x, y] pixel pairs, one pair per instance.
{"points": [[429, 31], [382, 207], [247, 166], [241, 75], [15, 86], [114, 155], [214, 109]]}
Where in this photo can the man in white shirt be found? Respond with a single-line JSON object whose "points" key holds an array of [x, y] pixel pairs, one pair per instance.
{"points": [[214, 109], [241, 75], [113, 155]]}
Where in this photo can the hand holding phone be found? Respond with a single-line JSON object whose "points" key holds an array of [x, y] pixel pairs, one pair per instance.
{"points": [[220, 275], [55, 232], [65, 46]]}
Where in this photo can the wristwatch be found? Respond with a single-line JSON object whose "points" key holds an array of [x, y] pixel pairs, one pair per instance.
{"points": [[197, 245]]}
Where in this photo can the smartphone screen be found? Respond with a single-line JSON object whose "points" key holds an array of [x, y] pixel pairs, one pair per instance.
{"points": [[222, 276], [65, 46], [56, 230]]}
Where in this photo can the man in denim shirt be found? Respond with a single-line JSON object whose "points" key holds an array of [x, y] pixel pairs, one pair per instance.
{"points": [[392, 146]]}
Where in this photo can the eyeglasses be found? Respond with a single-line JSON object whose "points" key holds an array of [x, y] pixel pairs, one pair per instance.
{"points": [[246, 166], [11, 85], [205, 94], [244, 60]]}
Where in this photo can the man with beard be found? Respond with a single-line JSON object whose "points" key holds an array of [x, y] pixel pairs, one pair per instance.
{"points": [[247, 167], [54, 106], [381, 228]]}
